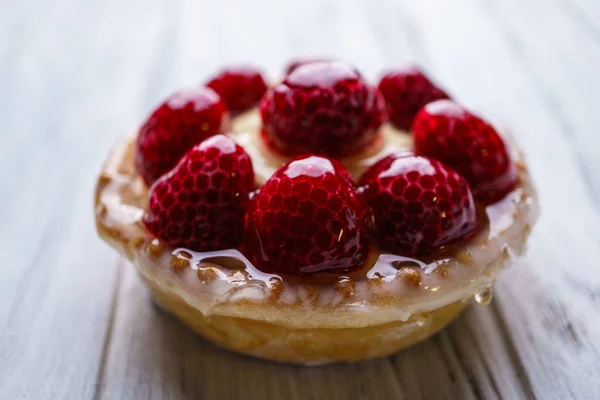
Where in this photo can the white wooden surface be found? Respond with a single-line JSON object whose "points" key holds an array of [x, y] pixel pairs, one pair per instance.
{"points": [[75, 322]]}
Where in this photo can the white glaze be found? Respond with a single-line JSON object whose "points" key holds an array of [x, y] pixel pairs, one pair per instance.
{"points": [[377, 294]]}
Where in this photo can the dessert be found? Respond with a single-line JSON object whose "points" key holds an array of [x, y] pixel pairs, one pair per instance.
{"points": [[294, 223]]}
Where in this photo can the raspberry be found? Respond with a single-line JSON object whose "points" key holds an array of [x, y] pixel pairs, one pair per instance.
{"points": [[419, 204], [200, 204], [240, 87], [405, 91], [294, 64], [187, 117], [449, 133], [308, 218], [324, 108]]}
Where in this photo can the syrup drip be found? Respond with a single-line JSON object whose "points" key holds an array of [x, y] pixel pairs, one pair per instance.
{"points": [[484, 297], [229, 265], [387, 266]]}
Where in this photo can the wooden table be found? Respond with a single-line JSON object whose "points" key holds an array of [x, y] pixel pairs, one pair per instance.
{"points": [[74, 75]]}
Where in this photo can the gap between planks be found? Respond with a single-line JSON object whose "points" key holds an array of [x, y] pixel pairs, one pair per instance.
{"points": [[108, 334], [517, 362]]}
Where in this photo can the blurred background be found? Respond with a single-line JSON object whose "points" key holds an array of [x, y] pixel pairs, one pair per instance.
{"points": [[75, 75]]}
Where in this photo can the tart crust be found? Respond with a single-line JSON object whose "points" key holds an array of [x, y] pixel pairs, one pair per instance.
{"points": [[391, 303], [312, 346]]}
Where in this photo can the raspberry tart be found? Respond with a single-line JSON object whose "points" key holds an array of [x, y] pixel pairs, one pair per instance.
{"points": [[295, 223]]}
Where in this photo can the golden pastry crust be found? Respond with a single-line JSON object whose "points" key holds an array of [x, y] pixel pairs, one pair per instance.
{"points": [[391, 303], [311, 346]]}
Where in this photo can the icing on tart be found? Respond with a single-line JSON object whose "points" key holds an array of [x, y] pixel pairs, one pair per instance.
{"points": [[312, 227]]}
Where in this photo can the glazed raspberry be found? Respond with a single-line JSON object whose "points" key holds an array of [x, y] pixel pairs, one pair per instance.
{"points": [[419, 204], [324, 108], [308, 218], [294, 64], [449, 133], [240, 87], [200, 204], [184, 119], [405, 91]]}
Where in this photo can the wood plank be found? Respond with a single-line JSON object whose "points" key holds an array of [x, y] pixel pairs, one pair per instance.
{"points": [[47, 331], [550, 322], [56, 284], [562, 74], [102, 72], [585, 12]]}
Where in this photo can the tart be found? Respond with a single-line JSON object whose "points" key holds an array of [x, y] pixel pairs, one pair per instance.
{"points": [[303, 222]]}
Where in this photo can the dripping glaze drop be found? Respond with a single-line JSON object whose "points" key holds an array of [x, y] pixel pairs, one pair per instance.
{"points": [[484, 297]]}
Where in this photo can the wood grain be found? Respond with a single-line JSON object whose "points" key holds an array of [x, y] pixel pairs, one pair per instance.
{"points": [[537, 302], [78, 324], [52, 328]]}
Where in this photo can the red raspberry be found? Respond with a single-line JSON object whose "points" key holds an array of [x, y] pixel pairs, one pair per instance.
{"points": [[200, 204], [449, 133], [240, 87], [187, 117], [406, 90], [419, 204], [308, 218], [324, 108], [294, 64]]}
